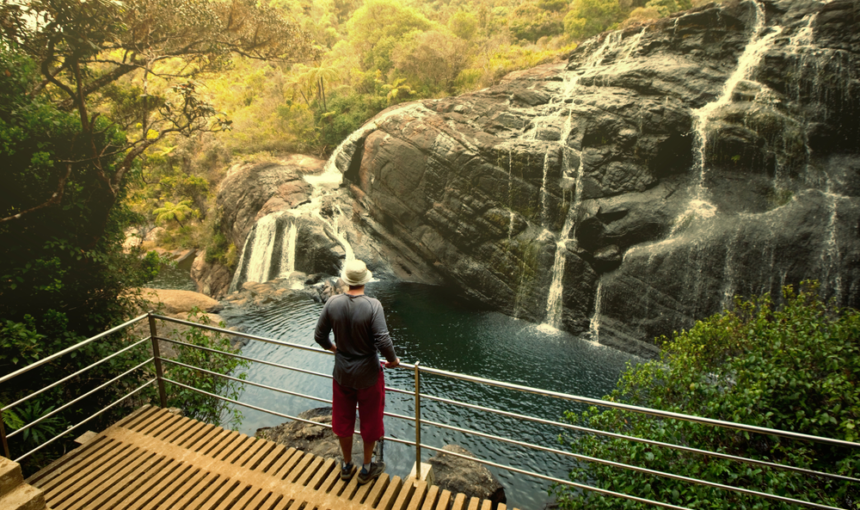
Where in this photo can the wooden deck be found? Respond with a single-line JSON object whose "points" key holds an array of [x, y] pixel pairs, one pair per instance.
{"points": [[156, 459]]}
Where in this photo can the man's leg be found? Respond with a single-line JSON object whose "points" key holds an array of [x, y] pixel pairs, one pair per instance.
{"points": [[371, 406], [343, 423]]}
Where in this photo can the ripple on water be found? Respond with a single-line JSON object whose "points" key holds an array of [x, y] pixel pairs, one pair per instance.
{"points": [[444, 331]]}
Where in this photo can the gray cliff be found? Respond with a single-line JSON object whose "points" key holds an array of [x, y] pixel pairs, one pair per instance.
{"points": [[636, 186]]}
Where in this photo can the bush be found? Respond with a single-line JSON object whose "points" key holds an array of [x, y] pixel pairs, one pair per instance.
{"points": [[792, 367]]}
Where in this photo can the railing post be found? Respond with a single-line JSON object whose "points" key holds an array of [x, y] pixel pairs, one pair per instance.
{"points": [[159, 373], [417, 421], [3, 437]]}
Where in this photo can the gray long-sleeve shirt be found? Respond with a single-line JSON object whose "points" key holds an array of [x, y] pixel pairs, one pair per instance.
{"points": [[359, 331]]}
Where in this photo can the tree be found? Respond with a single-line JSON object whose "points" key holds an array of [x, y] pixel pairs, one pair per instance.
{"points": [[83, 47], [377, 27], [173, 212], [792, 367], [432, 58], [463, 24], [587, 18]]}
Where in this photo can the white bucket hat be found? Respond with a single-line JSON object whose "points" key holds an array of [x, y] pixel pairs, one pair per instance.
{"points": [[355, 273]]}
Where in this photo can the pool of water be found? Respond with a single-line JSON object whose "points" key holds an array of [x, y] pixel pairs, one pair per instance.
{"points": [[175, 276], [441, 330]]}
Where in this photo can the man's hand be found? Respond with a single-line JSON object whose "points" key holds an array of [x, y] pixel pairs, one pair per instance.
{"points": [[392, 364], [333, 348]]}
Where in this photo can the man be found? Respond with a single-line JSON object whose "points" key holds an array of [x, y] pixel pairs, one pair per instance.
{"points": [[359, 331]]}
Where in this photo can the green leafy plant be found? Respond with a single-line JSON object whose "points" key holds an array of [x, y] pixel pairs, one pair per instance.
{"points": [[794, 367], [29, 412], [202, 407]]}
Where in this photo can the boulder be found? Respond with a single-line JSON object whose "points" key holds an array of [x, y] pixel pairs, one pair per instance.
{"points": [[177, 302], [312, 439], [460, 475], [212, 279]]}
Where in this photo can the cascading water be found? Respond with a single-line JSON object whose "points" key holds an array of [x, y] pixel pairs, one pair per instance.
{"points": [[612, 42], [255, 264]]}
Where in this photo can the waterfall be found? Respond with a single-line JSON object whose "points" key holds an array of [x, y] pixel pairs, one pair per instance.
{"points": [[510, 195], [612, 41], [255, 264], [749, 59], [288, 252], [594, 324]]}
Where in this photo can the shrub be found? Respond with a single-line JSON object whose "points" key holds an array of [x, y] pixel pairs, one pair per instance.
{"points": [[790, 367]]}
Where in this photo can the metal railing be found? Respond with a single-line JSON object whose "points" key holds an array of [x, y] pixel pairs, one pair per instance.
{"points": [[419, 420]]}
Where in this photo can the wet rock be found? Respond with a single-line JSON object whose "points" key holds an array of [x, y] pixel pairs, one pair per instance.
{"points": [[212, 279], [313, 439], [460, 475]]}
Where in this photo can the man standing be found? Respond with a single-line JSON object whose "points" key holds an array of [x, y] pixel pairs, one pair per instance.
{"points": [[359, 331]]}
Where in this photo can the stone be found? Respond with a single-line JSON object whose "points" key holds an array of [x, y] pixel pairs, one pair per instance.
{"points": [[313, 439], [179, 301], [460, 475], [212, 279]]}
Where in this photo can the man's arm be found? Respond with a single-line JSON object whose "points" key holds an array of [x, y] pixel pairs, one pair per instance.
{"points": [[322, 331], [382, 339]]}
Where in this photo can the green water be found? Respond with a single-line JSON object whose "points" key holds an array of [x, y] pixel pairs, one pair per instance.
{"points": [[439, 329]]}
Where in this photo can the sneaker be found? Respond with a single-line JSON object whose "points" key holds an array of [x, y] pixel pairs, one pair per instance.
{"points": [[346, 471], [376, 469]]}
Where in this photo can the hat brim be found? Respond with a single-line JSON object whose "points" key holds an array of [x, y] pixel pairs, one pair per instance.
{"points": [[367, 277]]}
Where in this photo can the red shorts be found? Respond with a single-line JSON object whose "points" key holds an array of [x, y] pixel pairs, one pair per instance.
{"points": [[371, 404]]}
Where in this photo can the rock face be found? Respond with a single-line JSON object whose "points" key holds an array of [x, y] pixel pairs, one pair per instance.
{"points": [[459, 475], [637, 186], [251, 191], [212, 279]]}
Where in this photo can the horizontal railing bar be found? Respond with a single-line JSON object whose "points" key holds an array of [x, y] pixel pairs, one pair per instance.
{"points": [[73, 427], [264, 410], [555, 480], [270, 363], [651, 442], [630, 467], [279, 390], [85, 395], [239, 356], [75, 347], [638, 409], [79, 372]]}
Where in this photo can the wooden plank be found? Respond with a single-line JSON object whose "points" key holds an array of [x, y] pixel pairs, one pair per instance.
{"points": [[186, 431], [310, 471], [136, 417], [378, 490], [177, 424], [254, 447], [125, 479], [161, 485], [201, 492], [289, 465], [459, 502], [266, 462], [444, 500], [488, 505], [137, 479], [263, 500], [418, 498], [182, 491], [222, 494], [430, 500], [224, 445], [350, 489], [232, 499], [201, 431], [160, 420], [208, 440], [284, 503], [329, 481], [279, 462], [299, 468], [171, 486], [59, 471], [247, 497], [474, 503], [57, 494], [96, 489], [262, 452], [390, 494], [405, 495], [127, 498]]}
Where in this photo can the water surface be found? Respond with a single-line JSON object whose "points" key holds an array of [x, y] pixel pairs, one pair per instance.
{"points": [[441, 330]]}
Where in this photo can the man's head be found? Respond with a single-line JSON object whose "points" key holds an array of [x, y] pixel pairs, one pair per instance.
{"points": [[355, 273]]}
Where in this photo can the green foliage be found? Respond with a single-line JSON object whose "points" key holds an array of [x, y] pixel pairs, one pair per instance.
{"points": [[201, 407], [667, 7], [463, 24], [174, 212], [588, 18], [19, 344], [29, 412], [531, 22], [375, 29], [791, 367], [553, 5], [350, 112]]}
